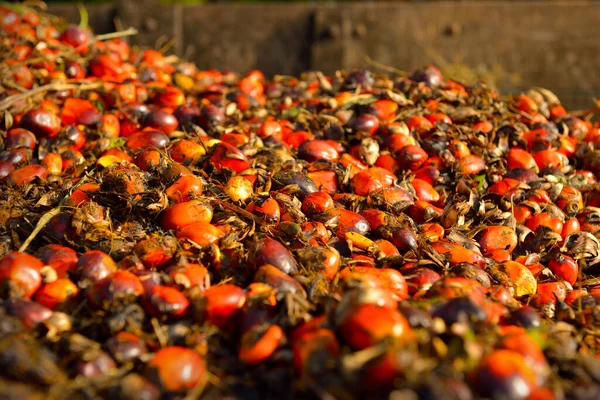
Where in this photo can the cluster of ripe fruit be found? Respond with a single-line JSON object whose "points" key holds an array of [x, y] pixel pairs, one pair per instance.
{"points": [[169, 231]]}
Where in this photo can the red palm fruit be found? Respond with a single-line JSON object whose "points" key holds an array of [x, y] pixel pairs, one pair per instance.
{"points": [[419, 124], [183, 214], [295, 139], [191, 275], [20, 274], [95, 265], [5, 169], [384, 109], [411, 157], [176, 369], [523, 280], [460, 255], [397, 141], [505, 373], [147, 139], [471, 165], [545, 219], [277, 279], [574, 295], [325, 180], [222, 303], [53, 164], [548, 293], [550, 159], [570, 200], [522, 213], [501, 294], [564, 267], [497, 238], [392, 195], [366, 124], [27, 174], [348, 221], [454, 287], [459, 149], [529, 348], [539, 196], [388, 162], [499, 255], [519, 158], [165, 301], [425, 192], [439, 117], [315, 233], [419, 278], [320, 259], [201, 233], [259, 343], [186, 151], [61, 259], [483, 126], [571, 226], [119, 154], [312, 345], [235, 139], [170, 96], [387, 247], [149, 160], [525, 104], [266, 208], [55, 293], [80, 196], [74, 109], [155, 250], [388, 279], [270, 128], [161, 120], [421, 211], [225, 156], [122, 286], [270, 251], [432, 231], [370, 180], [505, 187], [18, 137], [185, 188], [316, 203], [125, 347], [368, 324], [76, 37], [28, 312], [313, 150], [428, 173]]}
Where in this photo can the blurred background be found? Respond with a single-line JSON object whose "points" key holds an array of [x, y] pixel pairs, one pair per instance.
{"points": [[510, 44]]}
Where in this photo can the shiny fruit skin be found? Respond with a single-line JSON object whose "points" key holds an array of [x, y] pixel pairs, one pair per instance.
{"points": [[222, 303], [176, 368], [20, 274], [504, 374], [368, 324], [259, 343], [56, 293], [42, 123], [185, 213], [165, 301]]}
